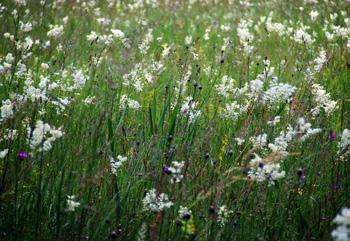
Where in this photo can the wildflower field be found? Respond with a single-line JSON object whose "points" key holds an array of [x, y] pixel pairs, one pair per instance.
{"points": [[175, 120]]}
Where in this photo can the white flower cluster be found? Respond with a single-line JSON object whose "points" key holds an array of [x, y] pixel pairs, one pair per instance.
{"points": [[42, 136], [274, 27], [7, 110], [302, 37], [323, 100], [262, 172], [344, 145], [156, 203], [275, 121], [4, 153], [7, 63], [277, 93], [320, 60], [9, 134], [59, 92], [142, 74], [107, 39], [245, 37], [176, 171], [271, 171], [342, 232], [304, 129], [126, 102], [71, 204], [117, 163], [226, 86], [146, 42], [79, 80], [55, 31], [188, 109], [184, 211], [233, 110], [252, 90], [259, 141], [223, 215]]}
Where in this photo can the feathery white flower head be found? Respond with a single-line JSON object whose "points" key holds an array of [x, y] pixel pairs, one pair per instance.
{"points": [[117, 163], [344, 145], [342, 232], [71, 204], [156, 202]]}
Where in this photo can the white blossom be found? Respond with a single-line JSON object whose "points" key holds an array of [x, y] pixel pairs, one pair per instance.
{"points": [[71, 204], [223, 215], [7, 109], [117, 163], [43, 135], [344, 145], [342, 231], [55, 31], [4, 153], [156, 202]]}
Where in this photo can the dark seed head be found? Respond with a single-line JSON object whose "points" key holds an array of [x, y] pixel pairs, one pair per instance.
{"points": [[113, 234], [178, 223], [166, 170], [300, 172], [187, 216], [212, 209]]}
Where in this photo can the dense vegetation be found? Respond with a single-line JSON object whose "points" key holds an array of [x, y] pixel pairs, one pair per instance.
{"points": [[174, 120]]}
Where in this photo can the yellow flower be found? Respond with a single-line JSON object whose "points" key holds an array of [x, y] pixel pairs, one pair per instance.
{"points": [[300, 191], [224, 143]]}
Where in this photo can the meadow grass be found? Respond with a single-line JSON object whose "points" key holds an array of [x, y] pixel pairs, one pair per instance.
{"points": [[174, 120]]}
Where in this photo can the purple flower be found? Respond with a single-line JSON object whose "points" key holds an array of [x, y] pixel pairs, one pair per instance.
{"points": [[22, 155], [166, 170], [333, 136]]}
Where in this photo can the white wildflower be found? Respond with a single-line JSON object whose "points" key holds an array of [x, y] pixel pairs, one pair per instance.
{"points": [[278, 93], [189, 109], [176, 171], [260, 140], [320, 60], [55, 31], [233, 110], [71, 204], [7, 110], [323, 100], [342, 232], [275, 121], [184, 212], [4, 153], [156, 202], [126, 102], [344, 145], [239, 141], [118, 33], [313, 15], [269, 172], [116, 163], [223, 215], [43, 135]]}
